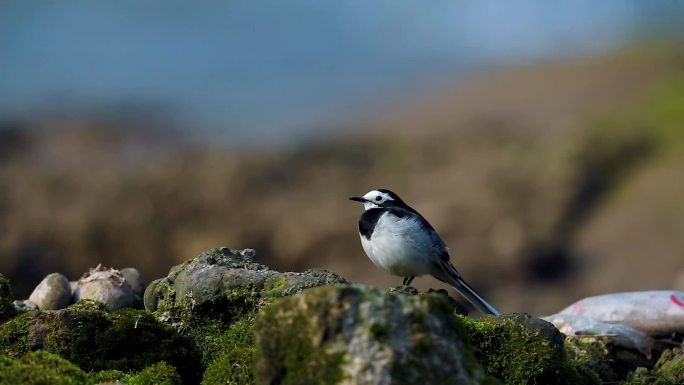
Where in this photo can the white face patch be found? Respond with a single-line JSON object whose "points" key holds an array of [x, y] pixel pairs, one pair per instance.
{"points": [[375, 198]]}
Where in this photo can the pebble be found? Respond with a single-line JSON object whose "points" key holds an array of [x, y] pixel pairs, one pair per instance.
{"points": [[52, 293]]}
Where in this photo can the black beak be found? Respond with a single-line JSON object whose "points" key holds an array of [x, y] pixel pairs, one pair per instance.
{"points": [[358, 199]]}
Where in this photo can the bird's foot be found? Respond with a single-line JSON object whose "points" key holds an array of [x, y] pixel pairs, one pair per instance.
{"points": [[407, 280]]}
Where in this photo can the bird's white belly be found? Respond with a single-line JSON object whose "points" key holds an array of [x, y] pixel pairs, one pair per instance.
{"points": [[398, 247]]}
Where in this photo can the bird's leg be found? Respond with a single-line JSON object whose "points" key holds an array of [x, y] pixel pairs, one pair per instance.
{"points": [[407, 280]]}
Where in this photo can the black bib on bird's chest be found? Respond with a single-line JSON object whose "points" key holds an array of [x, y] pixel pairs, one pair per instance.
{"points": [[370, 218]]}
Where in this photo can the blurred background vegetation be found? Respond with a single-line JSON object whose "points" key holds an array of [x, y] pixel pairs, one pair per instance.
{"points": [[546, 145]]}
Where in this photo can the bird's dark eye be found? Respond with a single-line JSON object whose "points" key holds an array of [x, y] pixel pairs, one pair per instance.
{"points": [[378, 198]]}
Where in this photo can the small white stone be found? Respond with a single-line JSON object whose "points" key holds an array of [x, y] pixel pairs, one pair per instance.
{"points": [[52, 293]]}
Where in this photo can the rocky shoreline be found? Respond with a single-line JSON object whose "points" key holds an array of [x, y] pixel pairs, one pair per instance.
{"points": [[222, 318]]}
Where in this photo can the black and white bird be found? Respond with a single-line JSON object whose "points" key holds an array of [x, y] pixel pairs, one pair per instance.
{"points": [[400, 241]]}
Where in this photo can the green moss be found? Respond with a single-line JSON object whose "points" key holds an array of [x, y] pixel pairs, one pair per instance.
{"points": [[6, 307], [405, 339], [40, 368], [211, 296], [207, 325], [235, 364], [592, 353], [160, 373], [518, 354], [72, 333], [413, 369], [136, 339], [641, 376], [277, 287], [88, 305], [44, 368], [292, 355], [5, 362], [220, 328], [14, 340], [204, 318], [670, 366], [85, 334], [108, 376], [668, 370]]}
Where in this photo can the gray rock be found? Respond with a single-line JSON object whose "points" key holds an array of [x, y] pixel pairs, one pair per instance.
{"points": [[135, 279], [228, 276], [535, 324], [522, 349], [212, 294], [52, 293], [107, 286], [151, 296], [356, 335]]}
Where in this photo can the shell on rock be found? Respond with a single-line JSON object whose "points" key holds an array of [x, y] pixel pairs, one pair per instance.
{"points": [[107, 286]]}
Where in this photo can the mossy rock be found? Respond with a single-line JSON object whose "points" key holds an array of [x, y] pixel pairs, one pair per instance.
{"points": [[521, 349], [7, 310], [670, 365], [204, 296], [668, 370], [44, 368], [94, 339], [352, 334], [14, 335], [40, 368]]}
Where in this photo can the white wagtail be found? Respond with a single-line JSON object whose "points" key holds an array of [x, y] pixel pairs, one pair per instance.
{"points": [[400, 241]]}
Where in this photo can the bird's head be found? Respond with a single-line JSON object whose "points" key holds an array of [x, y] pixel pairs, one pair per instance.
{"points": [[379, 198]]}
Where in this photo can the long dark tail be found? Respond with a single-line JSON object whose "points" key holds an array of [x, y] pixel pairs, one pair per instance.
{"points": [[453, 278]]}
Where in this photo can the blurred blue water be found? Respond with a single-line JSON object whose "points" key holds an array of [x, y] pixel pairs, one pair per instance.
{"points": [[264, 71]]}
